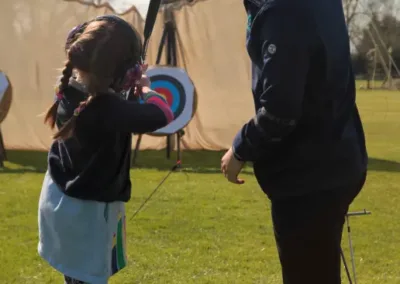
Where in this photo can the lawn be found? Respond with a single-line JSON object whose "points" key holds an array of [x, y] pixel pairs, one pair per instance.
{"points": [[200, 229]]}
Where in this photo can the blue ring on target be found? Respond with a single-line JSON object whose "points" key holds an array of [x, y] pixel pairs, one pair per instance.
{"points": [[172, 89]]}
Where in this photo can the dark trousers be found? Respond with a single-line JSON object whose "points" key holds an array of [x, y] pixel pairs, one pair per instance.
{"points": [[69, 280], [308, 233]]}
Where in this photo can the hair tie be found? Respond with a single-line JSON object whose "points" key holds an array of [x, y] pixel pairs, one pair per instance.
{"points": [[80, 108], [59, 95]]}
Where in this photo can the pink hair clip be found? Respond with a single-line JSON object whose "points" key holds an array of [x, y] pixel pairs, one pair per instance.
{"points": [[59, 96]]}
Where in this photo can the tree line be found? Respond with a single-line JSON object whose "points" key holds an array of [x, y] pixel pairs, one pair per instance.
{"points": [[374, 30], [378, 50]]}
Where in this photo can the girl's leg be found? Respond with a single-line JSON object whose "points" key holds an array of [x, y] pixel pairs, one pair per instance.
{"points": [[69, 280]]}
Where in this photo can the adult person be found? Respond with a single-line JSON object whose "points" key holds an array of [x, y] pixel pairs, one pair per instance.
{"points": [[306, 141]]}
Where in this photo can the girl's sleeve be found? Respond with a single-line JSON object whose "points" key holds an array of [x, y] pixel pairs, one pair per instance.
{"points": [[134, 117]]}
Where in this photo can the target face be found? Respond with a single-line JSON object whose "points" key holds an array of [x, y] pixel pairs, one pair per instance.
{"points": [[177, 88], [3, 85], [172, 90], [5, 96]]}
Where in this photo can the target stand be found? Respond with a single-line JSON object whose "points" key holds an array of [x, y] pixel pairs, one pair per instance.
{"points": [[348, 215], [174, 84], [3, 156]]}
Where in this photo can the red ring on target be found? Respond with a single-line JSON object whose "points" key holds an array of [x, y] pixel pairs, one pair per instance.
{"points": [[166, 93]]}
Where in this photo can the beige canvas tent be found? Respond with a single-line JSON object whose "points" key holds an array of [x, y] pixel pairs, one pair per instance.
{"points": [[211, 49]]}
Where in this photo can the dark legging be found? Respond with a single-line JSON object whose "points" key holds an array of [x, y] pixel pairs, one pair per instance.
{"points": [[308, 233]]}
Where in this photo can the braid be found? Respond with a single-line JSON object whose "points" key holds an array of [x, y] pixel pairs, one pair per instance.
{"points": [[66, 75], [68, 128], [51, 114]]}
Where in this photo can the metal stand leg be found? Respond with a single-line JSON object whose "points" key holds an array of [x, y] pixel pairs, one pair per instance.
{"points": [[178, 141], [168, 149], [351, 250], [345, 266], [353, 263], [3, 156], [136, 152]]}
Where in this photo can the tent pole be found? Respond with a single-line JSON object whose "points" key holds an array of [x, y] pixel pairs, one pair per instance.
{"points": [[170, 28]]}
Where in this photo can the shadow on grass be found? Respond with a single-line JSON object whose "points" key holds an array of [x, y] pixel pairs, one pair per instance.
{"points": [[208, 162], [20, 161], [381, 165], [192, 162], [203, 162]]}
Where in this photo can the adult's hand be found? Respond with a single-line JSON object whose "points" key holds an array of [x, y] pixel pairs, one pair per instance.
{"points": [[231, 167]]}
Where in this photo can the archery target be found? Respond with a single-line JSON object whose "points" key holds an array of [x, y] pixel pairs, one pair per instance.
{"points": [[172, 90], [3, 85], [5, 96], [177, 88]]}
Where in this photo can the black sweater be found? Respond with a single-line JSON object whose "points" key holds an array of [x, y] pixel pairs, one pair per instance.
{"points": [[307, 134], [94, 164]]}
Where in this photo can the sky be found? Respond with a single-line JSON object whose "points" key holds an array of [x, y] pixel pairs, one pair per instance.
{"points": [[121, 6], [141, 5]]}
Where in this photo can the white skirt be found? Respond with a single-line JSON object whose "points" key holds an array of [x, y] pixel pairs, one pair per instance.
{"points": [[85, 240]]}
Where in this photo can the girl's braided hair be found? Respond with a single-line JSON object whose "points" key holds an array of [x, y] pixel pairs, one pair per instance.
{"points": [[108, 50]]}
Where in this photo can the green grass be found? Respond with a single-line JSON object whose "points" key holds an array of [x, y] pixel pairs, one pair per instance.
{"points": [[200, 229]]}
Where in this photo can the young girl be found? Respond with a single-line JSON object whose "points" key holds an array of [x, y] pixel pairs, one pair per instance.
{"points": [[81, 207]]}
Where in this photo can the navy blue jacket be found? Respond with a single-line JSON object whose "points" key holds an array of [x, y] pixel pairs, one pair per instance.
{"points": [[94, 163], [306, 134]]}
